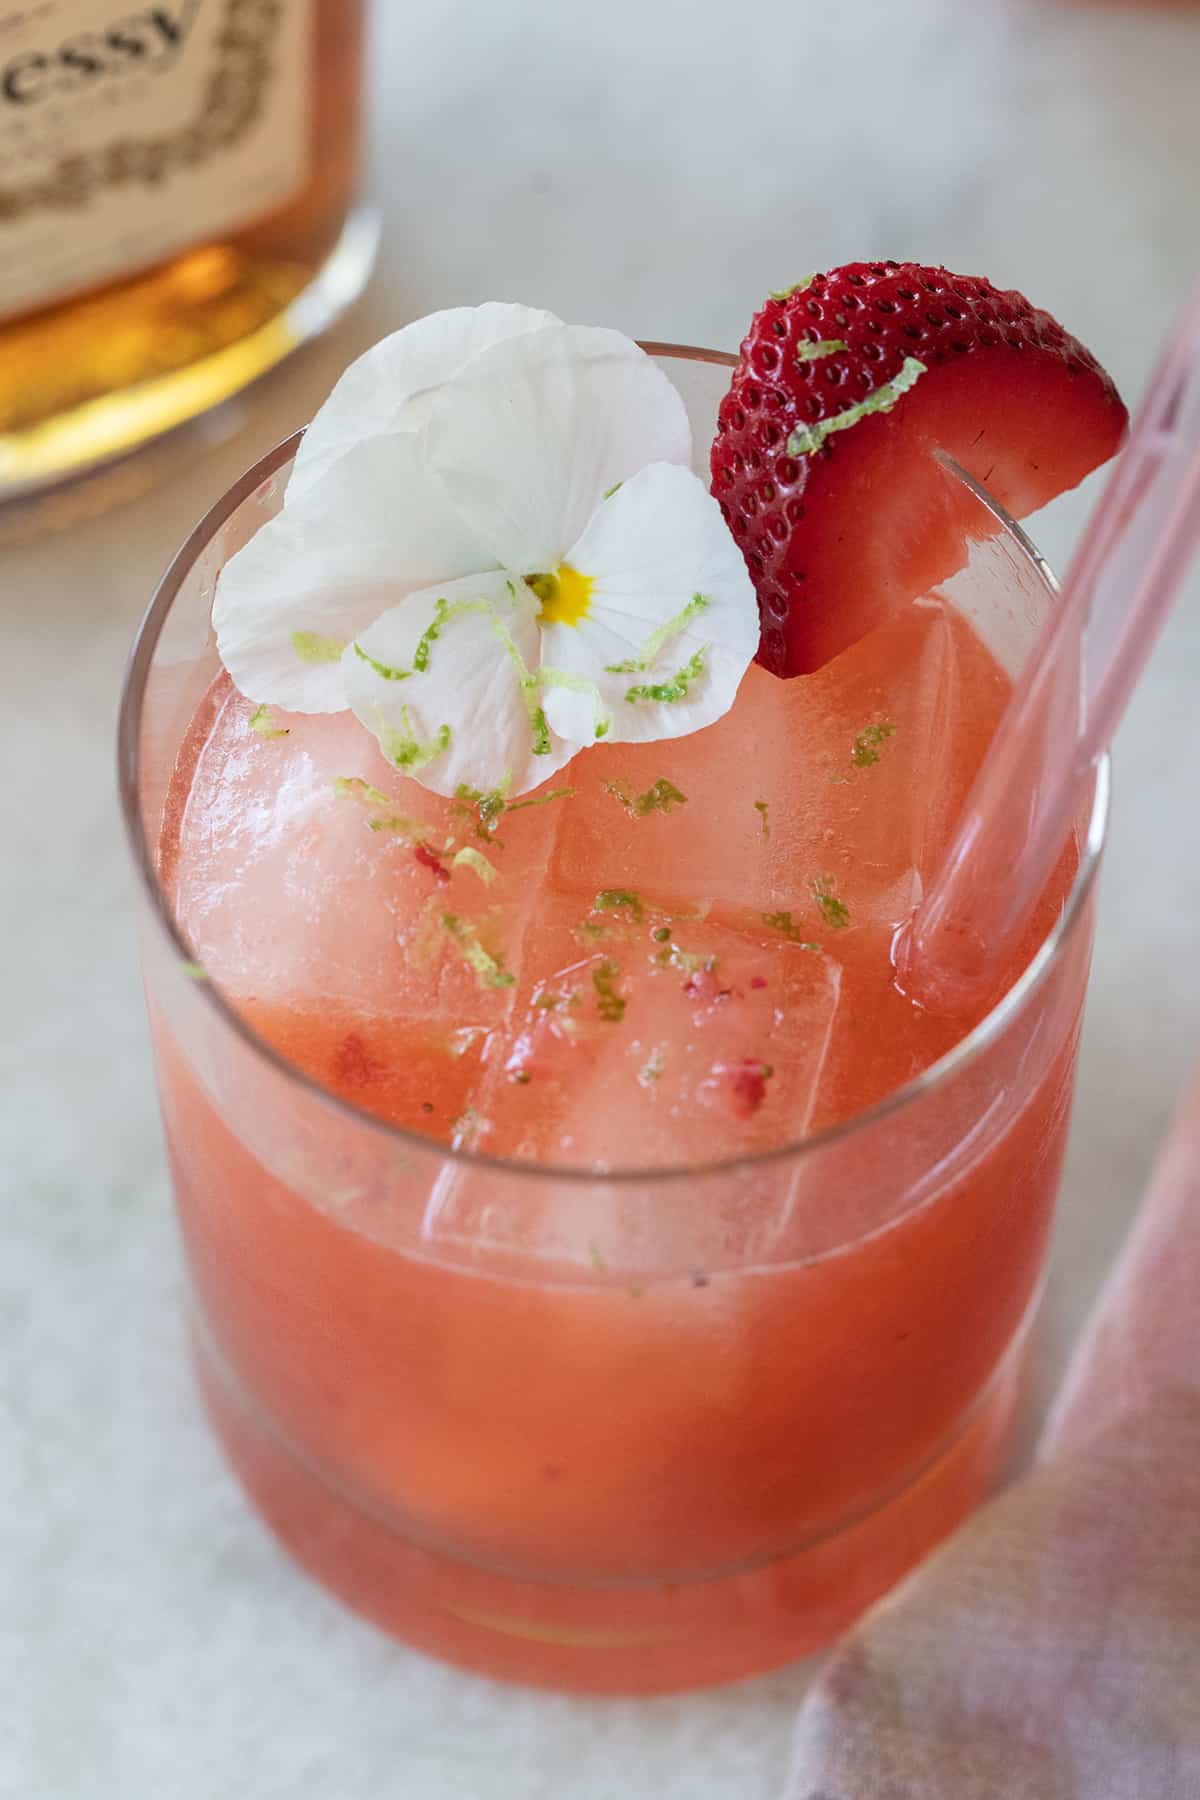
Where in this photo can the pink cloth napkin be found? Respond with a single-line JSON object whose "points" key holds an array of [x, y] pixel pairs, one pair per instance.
{"points": [[1051, 1650]]}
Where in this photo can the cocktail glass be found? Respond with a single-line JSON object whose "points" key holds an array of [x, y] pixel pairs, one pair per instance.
{"points": [[693, 1457]]}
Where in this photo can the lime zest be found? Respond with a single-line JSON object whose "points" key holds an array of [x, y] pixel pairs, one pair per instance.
{"points": [[430, 635], [526, 682], [653, 1067], [540, 799], [661, 797], [312, 647], [675, 687], [835, 912], [763, 810], [813, 349], [262, 721], [658, 640], [385, 671], [787, 927], [400, 824], [486, 808], [195, 971], [618, 900], [405, 749], [596, 1257], [868, 745], [807, 438], [355, 788], [579, 684], [797, 287], [470, 858], [443, 614], [489, 970], [609, 1004], [661, 934]]}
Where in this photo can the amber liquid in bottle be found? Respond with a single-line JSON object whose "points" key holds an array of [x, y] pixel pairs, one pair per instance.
{"points": [[102, 369]]}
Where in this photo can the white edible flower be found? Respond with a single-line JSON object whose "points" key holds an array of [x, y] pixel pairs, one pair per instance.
{"points": [[493, 549]]}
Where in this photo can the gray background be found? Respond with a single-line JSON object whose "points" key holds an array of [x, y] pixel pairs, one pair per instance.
{"points": [[655, 166]]}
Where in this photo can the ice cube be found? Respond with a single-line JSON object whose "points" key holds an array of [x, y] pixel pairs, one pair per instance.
{"points": [[827, 797], [308, 874], [661, 1042], [641, 1038]]}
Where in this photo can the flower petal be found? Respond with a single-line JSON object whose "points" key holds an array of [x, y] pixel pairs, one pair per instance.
{"points": [[447, 682], [530, 436], [378, 393], [672, 619], [374, 527]]}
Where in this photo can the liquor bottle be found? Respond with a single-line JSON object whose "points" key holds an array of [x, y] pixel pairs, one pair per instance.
{"points": [[177, 212]]}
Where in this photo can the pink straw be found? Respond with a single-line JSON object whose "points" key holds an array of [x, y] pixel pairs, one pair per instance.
{"points": [[1070, 696]]}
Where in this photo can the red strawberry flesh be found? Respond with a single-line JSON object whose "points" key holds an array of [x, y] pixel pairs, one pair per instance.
{"points": [[840, 535]]}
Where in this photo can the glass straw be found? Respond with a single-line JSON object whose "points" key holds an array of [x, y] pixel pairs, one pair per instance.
{"points": [[1069, 698]]}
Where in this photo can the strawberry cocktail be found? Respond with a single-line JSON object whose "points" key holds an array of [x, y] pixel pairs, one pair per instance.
{"points": [[604, 1272]]}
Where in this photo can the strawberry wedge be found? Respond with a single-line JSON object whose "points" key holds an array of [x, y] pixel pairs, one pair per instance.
{"points": [[823, 460]]}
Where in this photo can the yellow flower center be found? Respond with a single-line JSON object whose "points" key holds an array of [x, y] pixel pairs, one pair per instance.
{"points": [[566, 596]]}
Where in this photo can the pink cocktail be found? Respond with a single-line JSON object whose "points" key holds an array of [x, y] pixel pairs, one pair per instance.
{"points": [[603, 1273]]}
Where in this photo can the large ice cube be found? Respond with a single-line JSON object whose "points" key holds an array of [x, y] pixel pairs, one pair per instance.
{"points": [[839, 787], [640, 1039], [309, 874]]}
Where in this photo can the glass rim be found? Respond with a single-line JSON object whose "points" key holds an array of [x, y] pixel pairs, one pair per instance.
{"points": [[960, 1056]]}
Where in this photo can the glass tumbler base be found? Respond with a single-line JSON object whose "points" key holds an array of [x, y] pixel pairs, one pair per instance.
{"points": [[635, 1639]]}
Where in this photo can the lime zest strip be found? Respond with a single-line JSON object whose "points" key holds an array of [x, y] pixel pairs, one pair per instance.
{"points": [[661, 797], [807, 438], [470, 858], [579, 684], [527, 683], [609, 1004], [813, 349], [262, 720], [835, 912], [385, 671], [786, 926], [355, 788], [352, 787], [658, 640], [868, 745], [404, 748], [540, 799], [797, 287], [489, 970], [618, 900], [676, 686]]}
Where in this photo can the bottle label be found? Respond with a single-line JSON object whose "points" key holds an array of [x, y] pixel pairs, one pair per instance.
{"points": [[129, 132]]}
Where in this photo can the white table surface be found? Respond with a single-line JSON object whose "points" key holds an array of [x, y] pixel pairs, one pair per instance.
{"points": [[655, 165]]}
